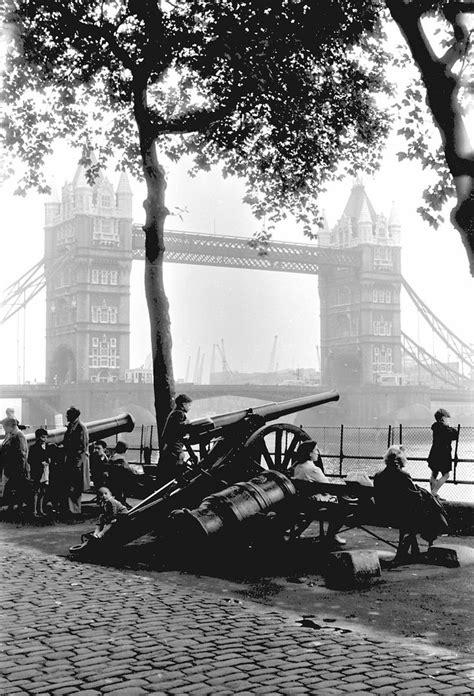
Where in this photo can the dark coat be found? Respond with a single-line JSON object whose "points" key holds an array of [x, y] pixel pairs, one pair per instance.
{"points": [[171, 441], [36, 456], [396, 496], [439, 458], [14, 456], [76, 455], [404, 505]]}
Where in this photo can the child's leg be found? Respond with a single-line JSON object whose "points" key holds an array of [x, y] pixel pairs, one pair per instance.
{"points": [[42, 498], [433, 482], [441, 481]]}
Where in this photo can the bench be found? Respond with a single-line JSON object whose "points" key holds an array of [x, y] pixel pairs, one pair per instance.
{"points": [[356, 507]]}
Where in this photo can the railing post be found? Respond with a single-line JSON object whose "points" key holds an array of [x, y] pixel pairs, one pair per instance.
{"points": [[455, 461], [341, 449], [400, 435], [389, 437], [141, 444]]}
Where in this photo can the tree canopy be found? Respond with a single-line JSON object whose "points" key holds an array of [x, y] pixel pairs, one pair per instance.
{"points": [[279, 93], [289, 95]]}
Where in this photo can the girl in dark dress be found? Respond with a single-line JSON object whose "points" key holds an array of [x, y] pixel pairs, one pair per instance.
{"points": [[439, 458]]}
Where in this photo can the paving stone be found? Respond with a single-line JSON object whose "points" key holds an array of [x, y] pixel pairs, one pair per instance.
{"points": [[165, 639], [382, 681], [353, 686]]}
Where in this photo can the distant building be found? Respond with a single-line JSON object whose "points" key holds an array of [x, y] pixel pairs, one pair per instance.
{"points": [[301, 376], [360, 310], [88, 259], [141, 375]]}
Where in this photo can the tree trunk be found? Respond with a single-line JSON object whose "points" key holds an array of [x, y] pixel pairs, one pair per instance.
{"points": [[442, 96], [158, 305]]}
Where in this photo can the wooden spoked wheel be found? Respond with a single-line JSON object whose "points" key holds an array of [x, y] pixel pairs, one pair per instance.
{"points": [[273, 446]]}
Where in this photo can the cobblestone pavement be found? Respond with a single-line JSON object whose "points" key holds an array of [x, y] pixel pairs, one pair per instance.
{"points": [[70, 628]]}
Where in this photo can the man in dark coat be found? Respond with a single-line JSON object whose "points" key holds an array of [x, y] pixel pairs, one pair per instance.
{"points": [[14, 458], [76, 460], [172, 446]]}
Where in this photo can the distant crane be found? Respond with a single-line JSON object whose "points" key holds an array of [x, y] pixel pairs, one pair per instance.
{"points": [[197, 366], [188, 367], [201, 368], [213, 362], [272, 363], [225, 364]]}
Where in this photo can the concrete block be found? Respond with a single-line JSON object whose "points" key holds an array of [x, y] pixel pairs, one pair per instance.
{"points": [[450, 555], [348, 570]]}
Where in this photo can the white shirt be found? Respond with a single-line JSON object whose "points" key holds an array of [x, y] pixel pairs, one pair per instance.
{"points": [[308, 471]]}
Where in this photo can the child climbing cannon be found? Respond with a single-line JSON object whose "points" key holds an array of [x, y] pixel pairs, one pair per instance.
{"points": [[111, 510]]}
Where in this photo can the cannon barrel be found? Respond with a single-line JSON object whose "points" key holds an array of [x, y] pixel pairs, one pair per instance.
{"points": [[268, 412], [97, 430]]}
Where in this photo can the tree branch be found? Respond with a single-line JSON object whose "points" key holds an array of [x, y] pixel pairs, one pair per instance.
{"points": [[461, 35], [197, 120], [442, 88], [91, 31]]}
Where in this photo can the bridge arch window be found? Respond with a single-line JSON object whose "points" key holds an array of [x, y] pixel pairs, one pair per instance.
{"points": [[382, 359], [66, 234], [342, 296], [103, 352], [381, 295], [104, 276], [104, 314], [381, 326], [105, 232], [383, 257]]}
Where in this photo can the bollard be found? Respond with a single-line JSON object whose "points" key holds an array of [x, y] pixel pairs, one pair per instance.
{"points": [[350, 570]]}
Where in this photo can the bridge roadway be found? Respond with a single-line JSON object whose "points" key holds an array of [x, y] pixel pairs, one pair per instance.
{"points": [[364, 405], [267, 392], [236, 252]]}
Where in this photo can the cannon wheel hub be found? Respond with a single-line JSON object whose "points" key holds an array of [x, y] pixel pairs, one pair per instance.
{"points": [[273, 446]]}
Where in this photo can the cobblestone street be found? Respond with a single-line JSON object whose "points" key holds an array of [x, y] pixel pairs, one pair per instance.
{"points": [[72, 628]]}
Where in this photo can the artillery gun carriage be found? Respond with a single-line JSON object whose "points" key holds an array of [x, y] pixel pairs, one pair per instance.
{"points": [[232, 448]]}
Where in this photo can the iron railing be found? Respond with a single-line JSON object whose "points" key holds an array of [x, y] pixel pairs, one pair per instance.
{"points": [[346, 449]]}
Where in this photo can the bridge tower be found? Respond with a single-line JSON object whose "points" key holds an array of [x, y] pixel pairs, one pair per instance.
{"points": [[88, 297], [360, 307]]}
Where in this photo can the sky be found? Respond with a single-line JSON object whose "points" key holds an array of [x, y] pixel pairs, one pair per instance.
{"points": [[244, 308]]}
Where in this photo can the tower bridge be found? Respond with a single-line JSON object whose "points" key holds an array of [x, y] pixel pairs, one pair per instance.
{"points": [[91, 242]]}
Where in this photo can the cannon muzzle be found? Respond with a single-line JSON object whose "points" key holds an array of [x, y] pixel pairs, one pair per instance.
{"points": [[97, 430], [268, 412]]}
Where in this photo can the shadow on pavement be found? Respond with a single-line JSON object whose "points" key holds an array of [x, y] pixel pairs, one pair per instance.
{"points": [[426, 604]]}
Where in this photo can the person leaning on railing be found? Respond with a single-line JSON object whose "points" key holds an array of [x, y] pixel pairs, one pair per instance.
{"points": [[439, 458]]}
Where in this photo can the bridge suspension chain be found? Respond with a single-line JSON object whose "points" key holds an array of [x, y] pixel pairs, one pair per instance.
{"points": [[461, 349], [19, 293], [435, 367]]}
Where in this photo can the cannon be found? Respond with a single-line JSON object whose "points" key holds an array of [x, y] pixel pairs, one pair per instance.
{"points": [[233, 447], [97, 430]]}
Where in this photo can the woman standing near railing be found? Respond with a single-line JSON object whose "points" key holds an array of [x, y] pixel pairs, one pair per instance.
{"points": [[440, 458]]}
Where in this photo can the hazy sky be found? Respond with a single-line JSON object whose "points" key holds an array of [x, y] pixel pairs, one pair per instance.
{"points": [[245, 308]]}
